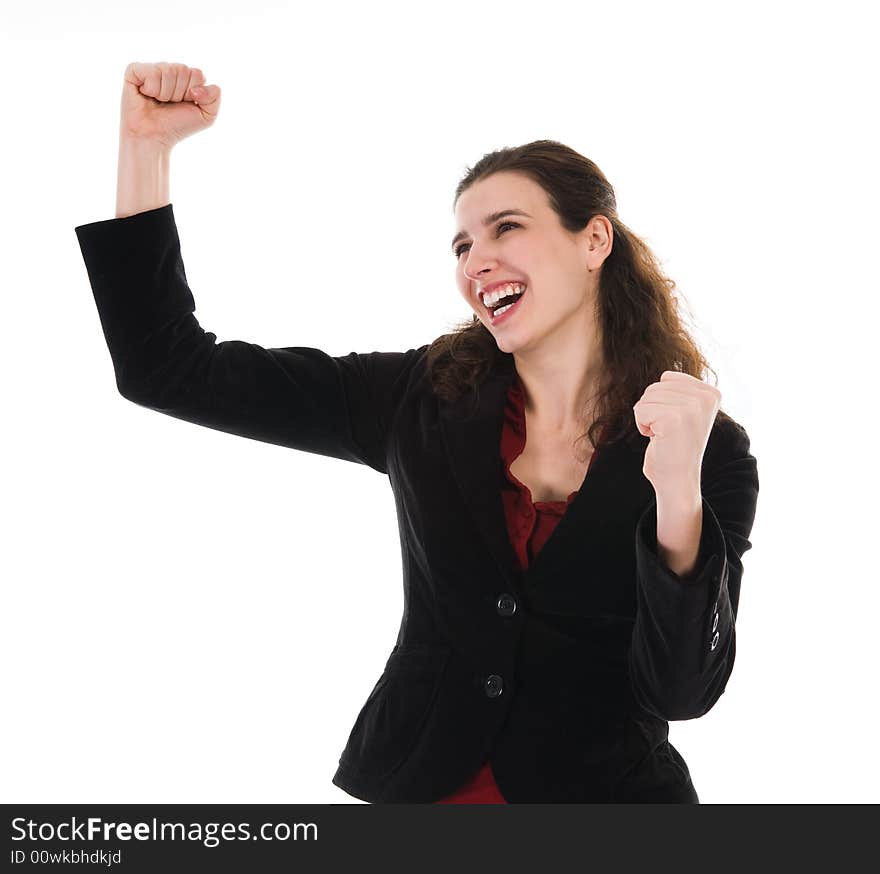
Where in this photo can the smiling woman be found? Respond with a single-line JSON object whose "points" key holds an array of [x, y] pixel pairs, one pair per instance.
{"points": [[545, 641]]}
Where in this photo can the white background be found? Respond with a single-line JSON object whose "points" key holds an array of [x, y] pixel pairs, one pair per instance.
{"points": [[189, 616]]}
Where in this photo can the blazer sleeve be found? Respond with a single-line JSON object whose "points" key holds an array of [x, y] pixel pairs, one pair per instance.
{"points": [[684, 636], [297, 396]]}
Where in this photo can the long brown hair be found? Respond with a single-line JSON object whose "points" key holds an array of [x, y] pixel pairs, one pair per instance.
{"points": [[639, 322]]}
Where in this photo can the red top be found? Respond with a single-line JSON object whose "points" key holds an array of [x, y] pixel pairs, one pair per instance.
{"points": [[529, 525]]}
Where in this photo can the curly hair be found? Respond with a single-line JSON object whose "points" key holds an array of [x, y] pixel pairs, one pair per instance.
{"points": [[638, 315]]}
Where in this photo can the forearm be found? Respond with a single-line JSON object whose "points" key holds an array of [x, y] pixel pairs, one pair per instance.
{"points": [[679, 526], [143, 177]]}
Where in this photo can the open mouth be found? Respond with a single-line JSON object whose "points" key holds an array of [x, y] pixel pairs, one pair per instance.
{"points": [[506, 307]]}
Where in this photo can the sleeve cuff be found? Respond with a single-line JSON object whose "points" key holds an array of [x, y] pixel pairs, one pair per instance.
{"points": [[701, 588]]}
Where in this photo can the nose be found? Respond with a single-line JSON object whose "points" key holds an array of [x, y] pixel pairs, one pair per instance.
{"points": [[475, 262], [473, 274]]}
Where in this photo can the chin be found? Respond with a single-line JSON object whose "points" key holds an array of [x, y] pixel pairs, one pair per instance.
{"points": [[505, 344]]}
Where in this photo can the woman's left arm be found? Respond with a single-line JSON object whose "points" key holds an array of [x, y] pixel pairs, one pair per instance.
{"points": [[684, 638]]}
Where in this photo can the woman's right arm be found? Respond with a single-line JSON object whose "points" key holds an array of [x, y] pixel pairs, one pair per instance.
{"points": [[299, 397]]}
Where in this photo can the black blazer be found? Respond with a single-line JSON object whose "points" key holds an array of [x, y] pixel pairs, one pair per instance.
{"points": [[564, 676]]}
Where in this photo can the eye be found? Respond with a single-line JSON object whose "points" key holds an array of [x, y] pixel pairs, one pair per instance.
{"points": [[458, 251]]}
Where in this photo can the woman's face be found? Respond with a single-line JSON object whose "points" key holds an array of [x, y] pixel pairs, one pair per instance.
{"points": [[534, 249]]}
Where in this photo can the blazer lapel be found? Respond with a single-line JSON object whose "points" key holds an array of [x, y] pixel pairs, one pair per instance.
{"points": [[471, 429], [613, 491]]}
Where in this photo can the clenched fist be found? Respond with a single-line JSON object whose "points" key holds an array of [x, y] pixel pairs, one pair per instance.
{"points": [[163, 103]]}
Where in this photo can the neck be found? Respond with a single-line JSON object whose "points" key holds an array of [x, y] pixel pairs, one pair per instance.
{"points": [[560, 386]]}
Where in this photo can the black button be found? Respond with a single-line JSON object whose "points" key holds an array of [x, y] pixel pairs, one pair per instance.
{"points": [[493, 685], [506, 604]]}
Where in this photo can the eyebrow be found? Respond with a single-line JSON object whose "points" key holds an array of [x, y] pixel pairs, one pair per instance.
{"points": [[493, 217]]}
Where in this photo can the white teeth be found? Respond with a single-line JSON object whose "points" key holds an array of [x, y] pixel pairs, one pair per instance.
{"points": [[500, 310], [494, 296]]}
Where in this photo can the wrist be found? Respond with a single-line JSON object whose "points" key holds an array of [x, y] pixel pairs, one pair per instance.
{"points": [[143, 176]]}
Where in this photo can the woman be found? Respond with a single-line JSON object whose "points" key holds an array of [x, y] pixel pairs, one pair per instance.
{"points": [[573, 503]]}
